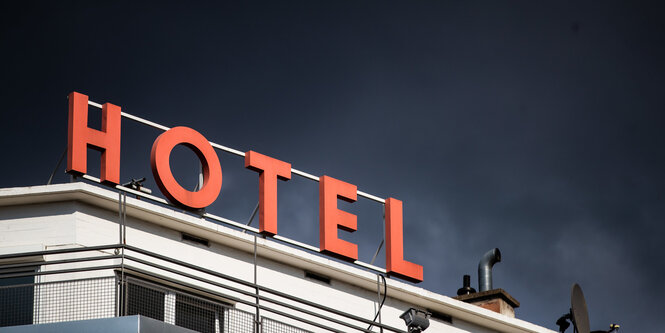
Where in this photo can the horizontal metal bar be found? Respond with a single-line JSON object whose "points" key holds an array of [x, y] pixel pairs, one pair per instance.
{"points": [[138, 277], [304, 174], [144, 121], [231, 222], [309, 322], [371, 197], [243, 292], [296, 243], [145, 252], [61, 271], [61, 261], [191, 276], [55, 282], [227, 287], [188, 265], [315, 178], [230, 150], [60, 251], [236, 280], [165, 128], [322, 316], [227, 149], [136, 270], [315, 249], [263, 298], [247, 293], [371, 267], [320, 307]]}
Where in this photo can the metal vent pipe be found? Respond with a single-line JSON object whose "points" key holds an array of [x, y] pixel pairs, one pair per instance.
{"points": [[485, 269]]}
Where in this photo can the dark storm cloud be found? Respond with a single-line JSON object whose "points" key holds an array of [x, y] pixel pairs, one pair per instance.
{"points": [[530, 127]]}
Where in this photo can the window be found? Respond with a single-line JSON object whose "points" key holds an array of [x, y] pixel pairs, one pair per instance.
{"points": [[197, 314], [17, 297], [173, 306], [145, 301]]}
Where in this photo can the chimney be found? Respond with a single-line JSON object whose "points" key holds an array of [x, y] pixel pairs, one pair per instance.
{"points": [[497, 300]]}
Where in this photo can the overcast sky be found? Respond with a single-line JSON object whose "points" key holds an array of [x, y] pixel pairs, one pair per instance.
{"points": [[534, 127]]}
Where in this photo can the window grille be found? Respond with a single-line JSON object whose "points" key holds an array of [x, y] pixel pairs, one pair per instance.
{"points": [[197, 314], [273, 326], [50, 302], [183, 309], [238, 321], [75, 300], [144, 301], [16, 299]]}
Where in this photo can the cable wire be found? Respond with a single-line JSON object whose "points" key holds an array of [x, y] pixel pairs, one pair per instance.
{"points": [[378, 311]]}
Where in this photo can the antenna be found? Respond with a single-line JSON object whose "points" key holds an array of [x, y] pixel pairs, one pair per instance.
{"points": [[578, 314]]}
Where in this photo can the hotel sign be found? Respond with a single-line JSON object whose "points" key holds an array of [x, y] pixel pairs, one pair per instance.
{"points": [[270, 170]]}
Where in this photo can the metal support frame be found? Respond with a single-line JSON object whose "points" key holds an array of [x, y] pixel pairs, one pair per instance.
{"points": [[235, 224], [257, 319], [57, 166], [245, 227], [267, 304], [122, 227]]}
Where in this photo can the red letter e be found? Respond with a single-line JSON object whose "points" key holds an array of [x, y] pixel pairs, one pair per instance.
{"points": [[331, 218]]}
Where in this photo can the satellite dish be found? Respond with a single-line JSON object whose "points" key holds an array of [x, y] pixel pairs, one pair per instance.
{"points": [[578, 314], [578, 309]]}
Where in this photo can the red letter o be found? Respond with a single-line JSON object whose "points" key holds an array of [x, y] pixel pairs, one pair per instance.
{"points": [[161, 168]]}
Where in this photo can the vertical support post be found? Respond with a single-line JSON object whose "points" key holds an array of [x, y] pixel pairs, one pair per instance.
{"points": [[119, 279], [383, 238], [125, 300], [122, 285], [124, 223], [120, 217], [257, 320]]}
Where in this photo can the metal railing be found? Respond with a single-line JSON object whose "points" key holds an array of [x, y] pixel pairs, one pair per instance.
{"points": [[116, 280], [56, 301]]}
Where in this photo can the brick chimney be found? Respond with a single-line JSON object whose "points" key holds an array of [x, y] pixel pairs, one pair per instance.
{"points": [[497, 300]]}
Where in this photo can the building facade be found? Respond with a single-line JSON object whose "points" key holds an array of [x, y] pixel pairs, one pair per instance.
{"points": [[79, 255]]}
